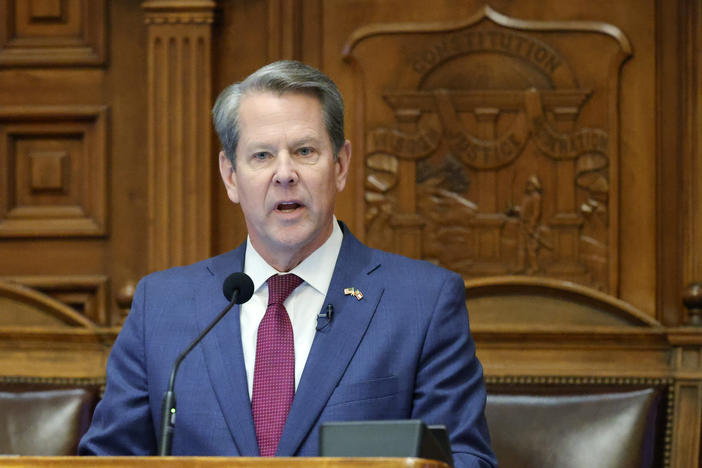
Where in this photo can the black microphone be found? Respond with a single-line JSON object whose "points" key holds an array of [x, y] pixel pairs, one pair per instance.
{"points": [[324, 318], [237, 288]]}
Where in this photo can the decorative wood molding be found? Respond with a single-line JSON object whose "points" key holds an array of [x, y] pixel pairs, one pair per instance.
{"points": [[55, 353], [565, 292], [574, 380], [497, 17], [67, 33], [678, 159], [685, 450], [285, 27], [86, 294], [51, 381], [179, 11], [180, 154], [53, 165], [491, 177], [692, 298], [40, 336], [691, 61], [18, 299]]}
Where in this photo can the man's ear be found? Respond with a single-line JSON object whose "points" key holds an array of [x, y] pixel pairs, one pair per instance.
{"points": [[342, 164], [228, 173]]}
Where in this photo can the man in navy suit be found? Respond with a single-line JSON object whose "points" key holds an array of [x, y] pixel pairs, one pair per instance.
{"points": [[398, 345]]}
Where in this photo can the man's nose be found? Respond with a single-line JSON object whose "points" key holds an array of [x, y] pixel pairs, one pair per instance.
{"points": [[285, 169]]}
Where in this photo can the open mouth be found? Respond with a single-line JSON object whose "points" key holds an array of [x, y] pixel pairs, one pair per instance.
{"points": [[287, 207]]}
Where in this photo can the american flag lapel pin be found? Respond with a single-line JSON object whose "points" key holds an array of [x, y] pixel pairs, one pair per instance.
{"points": [[353, 292]]}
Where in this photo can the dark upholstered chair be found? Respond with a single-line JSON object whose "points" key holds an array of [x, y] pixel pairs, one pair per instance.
{"points": [[45, 416], [574, 423]]}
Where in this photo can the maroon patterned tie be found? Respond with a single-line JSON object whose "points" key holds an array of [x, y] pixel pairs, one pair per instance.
{"points": [[274, 371]]}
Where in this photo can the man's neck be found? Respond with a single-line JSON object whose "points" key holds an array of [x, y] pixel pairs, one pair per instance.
{"points": [[285, 259]]}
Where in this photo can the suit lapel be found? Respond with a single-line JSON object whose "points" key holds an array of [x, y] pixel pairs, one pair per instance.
{"points": [[335, 345], [224, 357]]}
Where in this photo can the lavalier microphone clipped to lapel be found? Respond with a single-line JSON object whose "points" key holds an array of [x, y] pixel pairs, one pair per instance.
{"points": [[324, 318]]}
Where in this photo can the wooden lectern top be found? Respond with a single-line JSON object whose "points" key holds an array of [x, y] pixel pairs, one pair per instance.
{"points": [[216, 462]]}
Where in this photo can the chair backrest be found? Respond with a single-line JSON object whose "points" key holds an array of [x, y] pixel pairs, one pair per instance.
{"points": [[45, 416], [575, 423]]}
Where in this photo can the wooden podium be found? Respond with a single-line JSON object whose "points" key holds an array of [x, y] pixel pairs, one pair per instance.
{"points": [[216, 462]]}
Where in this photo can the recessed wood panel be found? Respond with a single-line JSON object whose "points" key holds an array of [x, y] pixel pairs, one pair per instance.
{"points": [[47, 11], [86, 294], [52, 32], [53, 172]]}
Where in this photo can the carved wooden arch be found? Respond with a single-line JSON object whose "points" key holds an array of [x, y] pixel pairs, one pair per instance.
{"points": [[497, 17], [15, 298], [561, 303]]}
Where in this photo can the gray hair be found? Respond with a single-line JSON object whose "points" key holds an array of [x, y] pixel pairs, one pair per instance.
{"points": [[279, 77]]}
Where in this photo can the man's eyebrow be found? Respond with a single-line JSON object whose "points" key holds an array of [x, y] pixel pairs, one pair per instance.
{"points": [[306, 140], [259, 145], [255, 146]]}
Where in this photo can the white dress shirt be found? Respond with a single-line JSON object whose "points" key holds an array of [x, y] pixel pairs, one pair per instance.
{"points": [[303, 305]]}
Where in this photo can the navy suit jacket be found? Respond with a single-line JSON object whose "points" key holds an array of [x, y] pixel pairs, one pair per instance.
{"points": [[402, 351]]}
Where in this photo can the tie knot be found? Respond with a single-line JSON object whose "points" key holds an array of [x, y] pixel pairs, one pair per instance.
{"points": [[280, 287]]}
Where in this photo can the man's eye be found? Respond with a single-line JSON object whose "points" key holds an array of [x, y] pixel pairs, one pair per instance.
{"points": [[305, 151], [260, 155]]}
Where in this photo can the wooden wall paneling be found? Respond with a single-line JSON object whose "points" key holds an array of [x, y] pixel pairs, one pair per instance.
{"points": [[42, 337], [179, 146], [312, 38], [679, 162], [686, 439], [285, 28], [23, 306], [291, 34], [53, 33], [54, 353], [125, 89], [451, 155], [686, 361], [46, 155], [669, 248], [86, 294], [691, 74]]}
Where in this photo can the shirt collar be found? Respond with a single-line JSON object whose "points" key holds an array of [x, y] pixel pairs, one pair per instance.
{"points": [[316, 270]]}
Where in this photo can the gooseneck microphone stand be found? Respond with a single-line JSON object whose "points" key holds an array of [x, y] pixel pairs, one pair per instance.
{"points": [[237, 288]]}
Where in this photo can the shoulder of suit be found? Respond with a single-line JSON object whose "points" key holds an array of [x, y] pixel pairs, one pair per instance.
{"points": [[203, 268], [410, 271], [387, 262]]}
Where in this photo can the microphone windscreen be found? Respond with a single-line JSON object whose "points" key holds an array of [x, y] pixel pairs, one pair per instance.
{"points": [[240, 281]]}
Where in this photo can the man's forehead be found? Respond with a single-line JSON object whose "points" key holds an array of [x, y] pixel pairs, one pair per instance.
{"points": [[275, 94], [263, 110]]}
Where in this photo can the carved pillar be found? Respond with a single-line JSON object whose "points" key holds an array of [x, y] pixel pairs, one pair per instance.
{"points": [[179, 130]]}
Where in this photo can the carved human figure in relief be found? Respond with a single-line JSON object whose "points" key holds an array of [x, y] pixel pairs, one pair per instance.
{"points": [[529, 212]]}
